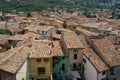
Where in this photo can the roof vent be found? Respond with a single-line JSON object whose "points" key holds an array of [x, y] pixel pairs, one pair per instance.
{"points": [[111, 49]]}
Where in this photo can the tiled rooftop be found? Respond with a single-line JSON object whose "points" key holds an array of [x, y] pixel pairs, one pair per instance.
{"points": [[64, 30], [23, 37], [107, 51], [93, 57], [16, 29], [10, 15], [12, 59], [42, 28], [71, 40], [54, 35], [86, 32], [92, 25], [2, 24], [41, 49], [3, 38], [56, 49], [105, 26]]}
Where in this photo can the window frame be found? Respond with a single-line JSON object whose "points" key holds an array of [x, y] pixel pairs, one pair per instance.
{"points": [[84, 60], [39, 70], [74, 65], [46, 59], [75, 56], [38, 60]]}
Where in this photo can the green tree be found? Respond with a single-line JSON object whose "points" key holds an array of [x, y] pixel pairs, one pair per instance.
{"points": [[118, 16], [5, 31], [29, 14], [86, 13]]}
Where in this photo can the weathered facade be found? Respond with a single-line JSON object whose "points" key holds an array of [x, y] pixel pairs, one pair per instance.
{"points": [[14, 64], [94, 66], [73, 49], [6, 75], [42, 60], [109, 54]]}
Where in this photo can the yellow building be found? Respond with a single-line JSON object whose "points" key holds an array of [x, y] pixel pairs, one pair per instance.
{"points": [[40, 60]]}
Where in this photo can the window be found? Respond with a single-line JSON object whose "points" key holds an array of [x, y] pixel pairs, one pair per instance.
{"points": [[74, 66], [63, 67], [63, 57], [41, 70], [46, 60], [38, 60], [75, 50], [84, 60], [54, 65], [0, 76], [75, 56], [54, 58], [104, 72]]}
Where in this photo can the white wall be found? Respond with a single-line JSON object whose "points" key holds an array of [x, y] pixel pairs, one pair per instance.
{"points": [[100, 76], [23, 72], [89, 70]]}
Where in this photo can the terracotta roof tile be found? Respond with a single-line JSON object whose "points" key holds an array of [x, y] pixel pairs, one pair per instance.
{"points": [[56, 49], [93, 57], [72, 40], [108, 51], [41, 49], [12, 59]]}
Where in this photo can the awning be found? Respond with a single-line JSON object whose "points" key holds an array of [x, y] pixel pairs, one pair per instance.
{"points": [[75, 74]]}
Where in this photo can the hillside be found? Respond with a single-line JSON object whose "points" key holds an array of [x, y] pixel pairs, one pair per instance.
{"points": [[32, 5], [38, 5]]}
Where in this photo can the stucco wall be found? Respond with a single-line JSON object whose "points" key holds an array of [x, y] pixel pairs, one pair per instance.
{"points": [[34, 65], [89, 71], [101, 76], [23, 72], [7, 76], [79, 57]]}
